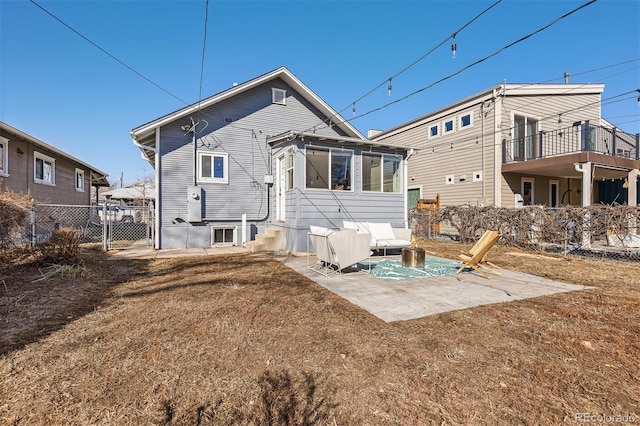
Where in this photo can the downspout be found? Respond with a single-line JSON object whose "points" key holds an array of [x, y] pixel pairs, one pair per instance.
{"points": [[156, 204], [406, 187]]}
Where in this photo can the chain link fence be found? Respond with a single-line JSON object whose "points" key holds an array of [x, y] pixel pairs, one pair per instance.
{"points": [[604, 231], [113, 226]]}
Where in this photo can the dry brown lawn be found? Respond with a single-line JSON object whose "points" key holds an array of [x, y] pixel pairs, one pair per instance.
{"points": [[245, 340]]}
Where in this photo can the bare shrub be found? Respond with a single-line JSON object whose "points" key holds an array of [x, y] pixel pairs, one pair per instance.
{"points": [[14, 209], [531, 226], [62, 248]]}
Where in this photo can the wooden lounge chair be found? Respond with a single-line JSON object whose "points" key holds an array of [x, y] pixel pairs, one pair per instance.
{"points": [[476, 259], [488, 234]]}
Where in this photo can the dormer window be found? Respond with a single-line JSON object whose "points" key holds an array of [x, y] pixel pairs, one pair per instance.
{"points": [[278, 96]]}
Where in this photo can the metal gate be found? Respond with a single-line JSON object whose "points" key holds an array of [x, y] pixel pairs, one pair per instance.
{"points": [[111, 225]]}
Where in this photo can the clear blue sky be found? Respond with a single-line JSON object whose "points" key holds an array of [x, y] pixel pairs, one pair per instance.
{"points": [[59, 88]]}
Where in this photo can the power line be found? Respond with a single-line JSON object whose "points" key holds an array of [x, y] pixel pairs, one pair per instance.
{"points": [[458, 141], [204, 46], [109, 54], [520, 40], [421, 57]]}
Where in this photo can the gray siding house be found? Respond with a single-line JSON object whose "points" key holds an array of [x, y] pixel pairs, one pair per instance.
{"points": [[31, 166], [521, 144], [238, 164]]}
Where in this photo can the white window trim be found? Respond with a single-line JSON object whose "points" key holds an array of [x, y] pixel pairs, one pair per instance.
{"points": [[330, 150], [75, 177], [437, 135], [382, 155], [460, 126], [444, 126], [477, 176], [289, 153], [449, 179], [278, 96], [4, 171], [39, 156], [208, 179]]}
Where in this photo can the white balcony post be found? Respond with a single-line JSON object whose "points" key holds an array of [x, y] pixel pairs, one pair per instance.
{"points": [[585, 169], [632, 198]]}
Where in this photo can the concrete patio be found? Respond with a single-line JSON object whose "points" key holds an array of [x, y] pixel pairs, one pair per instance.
{"points": [[420, 297]]}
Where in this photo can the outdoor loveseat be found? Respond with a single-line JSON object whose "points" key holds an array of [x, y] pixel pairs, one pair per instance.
{"points": [[383, 236]]}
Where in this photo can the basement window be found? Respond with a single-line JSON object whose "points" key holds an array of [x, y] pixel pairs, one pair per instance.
{"points": [[223, 236]]}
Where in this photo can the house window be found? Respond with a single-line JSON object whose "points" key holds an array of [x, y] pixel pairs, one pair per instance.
{"points": [[433, 131], [79, 180], [213, 167], [465, 121], [381, 173], [448, 126], [44, 169], [4, 156], [278, 96], [222, 236], [329, 169], [289, 168]]}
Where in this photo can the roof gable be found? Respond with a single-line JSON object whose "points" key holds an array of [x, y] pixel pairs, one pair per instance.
{"points": [[283, 73]]}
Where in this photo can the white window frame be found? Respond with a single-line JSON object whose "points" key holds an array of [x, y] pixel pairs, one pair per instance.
{"points": [[382, 158], [330, 151], [289, 167], [224, 229], [210, 179], [444, 126], [437, 127], [79, 180], [4, 161], [278, 96], [460, 124], [45, 159]]}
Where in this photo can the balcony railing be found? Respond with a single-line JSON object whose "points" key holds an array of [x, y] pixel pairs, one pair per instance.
{"points": [[580, 137]]}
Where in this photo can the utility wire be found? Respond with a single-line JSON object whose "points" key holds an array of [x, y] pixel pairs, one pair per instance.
{"points": [[109, 54], [329, 119], [520, 40], [450, 141], [419, 59], [204, 46]]}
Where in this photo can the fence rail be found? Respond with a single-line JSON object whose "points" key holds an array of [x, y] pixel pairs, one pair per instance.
{"points": [[598, 230], [119, 228]]}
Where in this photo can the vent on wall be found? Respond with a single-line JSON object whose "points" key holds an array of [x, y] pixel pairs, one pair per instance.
{"points": [[278, 96]]}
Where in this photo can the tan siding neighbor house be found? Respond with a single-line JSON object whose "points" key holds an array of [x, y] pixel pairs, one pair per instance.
{"points": [[48, 175], [521, 144]]}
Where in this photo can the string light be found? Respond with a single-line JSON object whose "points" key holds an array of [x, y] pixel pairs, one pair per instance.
{"points": [[389, 87], [354, 109], [454, 47]]}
